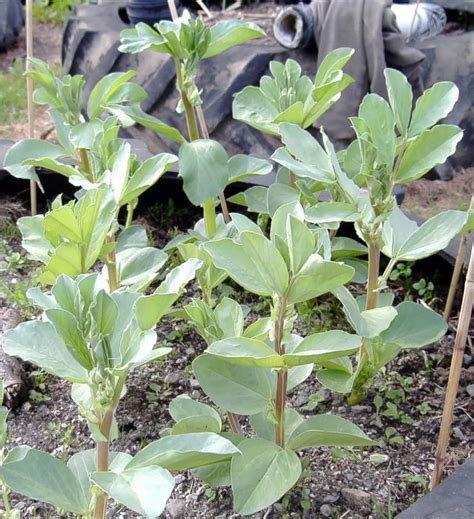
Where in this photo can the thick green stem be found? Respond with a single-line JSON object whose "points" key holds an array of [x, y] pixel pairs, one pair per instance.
{"points": [[6, 501], [130, 209], [282, 384], [210, 223], [372, 284], [103, 447], [86, 165], [282, 377], [111, 264]]}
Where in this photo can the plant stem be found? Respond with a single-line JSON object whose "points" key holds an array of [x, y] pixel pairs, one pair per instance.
{"points": [[282, 383], [111, 264], [372, 284], [282, 376], [210, 218], [103, 447], [6, 501], [86, 165], [234, 423]]}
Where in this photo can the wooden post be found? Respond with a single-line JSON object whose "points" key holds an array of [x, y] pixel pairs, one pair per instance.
{"points": [[457, 270], [454, 374], [29, 91]]}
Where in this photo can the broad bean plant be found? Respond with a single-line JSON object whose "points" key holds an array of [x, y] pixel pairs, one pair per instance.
{"points": [[395, 144], [100, 301]]}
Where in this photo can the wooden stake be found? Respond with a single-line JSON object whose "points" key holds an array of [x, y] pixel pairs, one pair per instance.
{"points": [[29, 91], [454, 374], [457, 270]]}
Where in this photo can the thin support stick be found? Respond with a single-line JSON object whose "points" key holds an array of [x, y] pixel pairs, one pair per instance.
{"points": [[457, 271], [29, 91], [454, 374], [410, 32], [173, 10]]}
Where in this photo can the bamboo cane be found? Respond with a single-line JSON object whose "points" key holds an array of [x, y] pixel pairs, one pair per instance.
{"points": [[457, 270], [454, 374], [29, 92]]}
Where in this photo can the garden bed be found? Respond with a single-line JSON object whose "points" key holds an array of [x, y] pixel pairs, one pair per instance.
{"points": [[376, 482]]}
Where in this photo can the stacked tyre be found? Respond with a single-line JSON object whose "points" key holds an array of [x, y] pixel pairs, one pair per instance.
{"points": [[12, 19]]}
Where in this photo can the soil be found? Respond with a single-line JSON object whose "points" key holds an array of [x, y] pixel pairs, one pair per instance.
{"points": [[429, 197], [337, 483]]}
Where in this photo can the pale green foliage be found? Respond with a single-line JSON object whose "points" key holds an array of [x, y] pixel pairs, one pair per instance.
{"points": [[291, 97]]}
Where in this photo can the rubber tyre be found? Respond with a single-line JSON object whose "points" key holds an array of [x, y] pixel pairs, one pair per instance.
{"points": [[12, 19]]}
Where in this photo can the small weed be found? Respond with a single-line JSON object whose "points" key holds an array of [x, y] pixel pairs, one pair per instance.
{"points": [[154, 394], [391, 437], [423, 408], [315, 399]]}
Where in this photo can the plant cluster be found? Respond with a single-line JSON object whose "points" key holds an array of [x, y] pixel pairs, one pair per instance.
{"points": [[98, 324]]}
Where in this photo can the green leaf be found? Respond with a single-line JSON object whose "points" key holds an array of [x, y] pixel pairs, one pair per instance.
{"points": [[246, 352], [367, 323], [332, 63], [33, 238], [104, 90], [128, 115], [323, 346], [228, 33], [40, 476], [150, 309], [262, 474], [141, 38], [194, 424], [378, 116], [38, 342], [317, 277], [400, 96], [279, 195], [415, 326], [147, 174], [144, 490], [327, 431], [254, 108], [433, 105], [305, 148], [240, 389], [105, 312], [329, 212], [62, 223], [335, 380], [432, 236], [184, 407], [428, 150], [204, 169], [84, 463], [245, 166], [120, 170], [255, 263], [138, 264], [184, 451], [30, 149]]}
